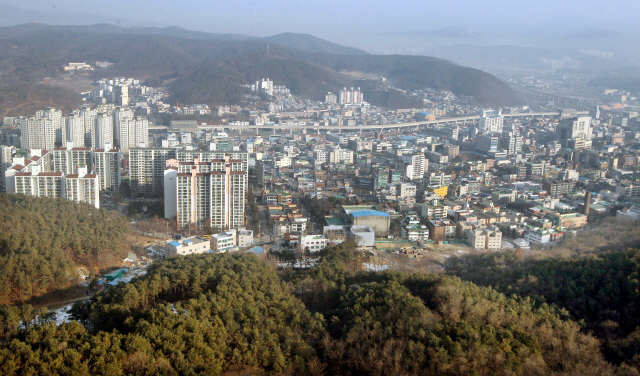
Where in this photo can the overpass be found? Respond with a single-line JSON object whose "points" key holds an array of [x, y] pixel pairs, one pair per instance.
{"points": [[359, 128]]}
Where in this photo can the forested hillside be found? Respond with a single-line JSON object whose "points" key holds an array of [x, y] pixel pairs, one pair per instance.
{"points": [[233, 314], [208, 70], [42, 240], [601, 289]]}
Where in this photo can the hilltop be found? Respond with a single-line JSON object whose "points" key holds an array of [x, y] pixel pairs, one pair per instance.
{"points": [[209, 68]]}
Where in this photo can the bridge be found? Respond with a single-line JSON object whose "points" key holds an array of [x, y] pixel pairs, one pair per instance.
{"points": [[359, 128], [576, 103]]}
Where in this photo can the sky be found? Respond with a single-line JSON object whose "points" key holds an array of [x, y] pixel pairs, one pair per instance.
{"points": [[344, 19]]}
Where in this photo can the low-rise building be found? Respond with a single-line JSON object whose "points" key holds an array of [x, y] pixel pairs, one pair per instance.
{"points": [[245, 238], [188, 246], [363, 235], [223, 241], [315, 243]]}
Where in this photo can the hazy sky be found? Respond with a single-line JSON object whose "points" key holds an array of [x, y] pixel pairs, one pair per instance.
{"points": [[332, 18]]}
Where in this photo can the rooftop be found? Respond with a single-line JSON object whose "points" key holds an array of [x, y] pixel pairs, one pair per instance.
{"points": [[368, 213]]}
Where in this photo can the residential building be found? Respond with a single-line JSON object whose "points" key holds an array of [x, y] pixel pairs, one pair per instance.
{"points": [[102, 131], [69, 160], [82, 187], [351, 96], [245, 238], [435, 157], [6, 158], [491, 121], [441, 191], [106, 163], [209, 188], [224, 241], [341, 156], [441, 229], [415, 165], [146, 170], [558, 188], [486, 143], [413, 230]]}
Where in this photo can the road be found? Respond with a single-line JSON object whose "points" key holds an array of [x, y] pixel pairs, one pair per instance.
{"points": [[443, 121]]}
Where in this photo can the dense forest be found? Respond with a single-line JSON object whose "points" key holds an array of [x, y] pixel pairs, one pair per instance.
{"points": [[42, 240], [235, 314], [600, 289]]}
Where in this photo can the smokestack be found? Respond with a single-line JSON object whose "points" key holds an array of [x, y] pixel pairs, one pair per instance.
{"points": [[587, 203]]}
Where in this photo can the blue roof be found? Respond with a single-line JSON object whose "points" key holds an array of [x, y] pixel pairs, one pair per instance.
{"points": [[366, 213], [257, 250], [175, 243]]}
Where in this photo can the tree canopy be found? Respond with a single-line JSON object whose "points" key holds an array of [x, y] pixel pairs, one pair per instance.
{"points": [[42, 240], [235, 314]]}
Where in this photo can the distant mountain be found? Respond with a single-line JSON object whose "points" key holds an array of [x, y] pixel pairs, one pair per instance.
{"points": [[210, 68], [624, 78], [310, 43]]}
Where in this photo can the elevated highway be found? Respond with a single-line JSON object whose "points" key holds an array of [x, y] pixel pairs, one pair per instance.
{"points": [[359, 128]]}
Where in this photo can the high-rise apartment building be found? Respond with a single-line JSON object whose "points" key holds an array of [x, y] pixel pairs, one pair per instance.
{"points": [[146, 170], [44, 130], [89, 119], [102, 131], [76, 129], [207, 188], [34, 176], [578, 128], [69, 160], [487, 143], [6, 157], [121, 118], [415, 165], [491, 121], [106, 163], [82, 187], [40, 184], [351, 96]]}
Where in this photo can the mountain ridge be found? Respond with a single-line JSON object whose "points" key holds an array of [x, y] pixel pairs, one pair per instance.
{"points": [[198, 67]]}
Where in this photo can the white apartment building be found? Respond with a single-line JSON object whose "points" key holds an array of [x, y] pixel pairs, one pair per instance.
{"points": [[341, 155], [6, 157], [131, 132], [407, 190], [40, 184], [69, 159], [106, 163], [146, 170], [491, 121], [223, 241], [76, 129], [102, 133], [82, 187], [245, 238], [43, 130], [209, 187], [320, 156], [415, 166]]}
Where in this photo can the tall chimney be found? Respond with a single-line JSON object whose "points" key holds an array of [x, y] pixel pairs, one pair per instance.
{"points": [[587, 202]]}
